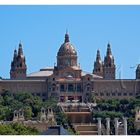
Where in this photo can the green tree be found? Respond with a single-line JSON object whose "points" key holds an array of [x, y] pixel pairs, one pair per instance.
{"points": [[106, 114], [61, 119], [17, 129], [28, 112], [7, 130]]}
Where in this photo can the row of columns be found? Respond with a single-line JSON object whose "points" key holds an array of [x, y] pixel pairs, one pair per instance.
{"points": [[108, 126]]}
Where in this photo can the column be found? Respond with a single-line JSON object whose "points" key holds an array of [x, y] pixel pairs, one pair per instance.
{"points": [[99, 126], [125, 125], [107, 126], [116, 126]]}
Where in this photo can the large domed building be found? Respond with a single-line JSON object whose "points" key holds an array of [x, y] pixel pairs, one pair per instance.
{"points": [[67, 80]]}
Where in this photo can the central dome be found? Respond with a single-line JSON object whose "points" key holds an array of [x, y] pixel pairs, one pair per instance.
{"points": [[67, 48], [67, 55]]}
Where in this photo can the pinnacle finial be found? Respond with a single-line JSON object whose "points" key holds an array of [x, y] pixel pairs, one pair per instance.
{"points": [[108, 45], [109, 49], [98, 57], [20, 51], [66, 37], [20, 44], [15, 52]]}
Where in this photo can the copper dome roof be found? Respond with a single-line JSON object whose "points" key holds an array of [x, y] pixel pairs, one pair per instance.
{"points": [[67, 48]]}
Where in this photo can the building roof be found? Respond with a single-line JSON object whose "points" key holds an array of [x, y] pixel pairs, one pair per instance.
{"points": [[47, 71], [94, 76], [44, 72], [55, 130]]}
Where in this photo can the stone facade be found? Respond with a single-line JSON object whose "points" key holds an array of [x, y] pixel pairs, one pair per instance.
{"points": [[67, 80]]}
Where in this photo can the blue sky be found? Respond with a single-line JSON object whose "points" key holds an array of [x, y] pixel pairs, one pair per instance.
{"points": [[41, 30]]}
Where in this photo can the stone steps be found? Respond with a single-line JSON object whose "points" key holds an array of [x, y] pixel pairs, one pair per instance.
{"points": [[87, 132], [86, 129]]}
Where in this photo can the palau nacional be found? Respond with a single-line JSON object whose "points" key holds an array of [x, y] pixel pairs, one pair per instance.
{"points": [[67, 81]]}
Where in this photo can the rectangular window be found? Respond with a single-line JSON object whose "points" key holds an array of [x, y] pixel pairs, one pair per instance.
{"points": [[78, 87], [107, 94], [43, 94], [125, 94], [101, 94], [38, 94], [62, 87], [113, 94], [119, 94]]}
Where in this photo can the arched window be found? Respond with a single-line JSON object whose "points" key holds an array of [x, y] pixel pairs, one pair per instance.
{"points": [[70, 88]]}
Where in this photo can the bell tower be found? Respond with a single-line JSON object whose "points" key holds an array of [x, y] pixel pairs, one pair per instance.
{"points": [[109, 67], [98, 65], [18, 65]]}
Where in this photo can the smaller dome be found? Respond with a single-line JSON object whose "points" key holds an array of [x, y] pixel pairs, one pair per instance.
{"points": [[67, 48]]}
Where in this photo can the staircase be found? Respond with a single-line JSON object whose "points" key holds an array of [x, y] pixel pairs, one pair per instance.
{"points": [[80, 117], [86, 129]]}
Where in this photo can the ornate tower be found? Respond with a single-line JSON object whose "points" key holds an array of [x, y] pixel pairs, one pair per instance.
{"points": [[98, 65], [18, 65], [138, 72], [67, 55], [109, 66]]}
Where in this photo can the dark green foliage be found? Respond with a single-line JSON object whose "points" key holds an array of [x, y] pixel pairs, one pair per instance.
{"points": [[52, 103], [16, 129], [8, 103], [31, 105], [26, 101], [105, 114], [61, 119], [28, 112]]}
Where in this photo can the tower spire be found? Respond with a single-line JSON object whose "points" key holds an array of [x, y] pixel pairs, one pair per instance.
{"points": [[98, 57], [20, 51], [15, 53], [109, 49], [67, 37], [98, 66]]}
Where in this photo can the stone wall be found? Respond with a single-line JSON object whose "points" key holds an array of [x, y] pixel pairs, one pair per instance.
{"points": [[36, 87], [108, 89]]}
